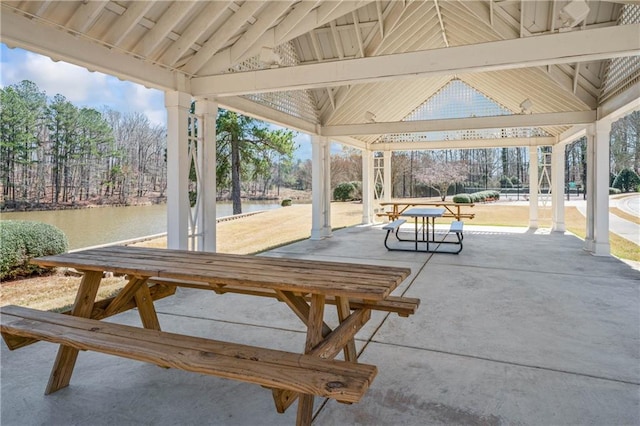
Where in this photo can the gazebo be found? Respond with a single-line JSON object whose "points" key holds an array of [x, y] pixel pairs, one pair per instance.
{"points": [[357, 72]]}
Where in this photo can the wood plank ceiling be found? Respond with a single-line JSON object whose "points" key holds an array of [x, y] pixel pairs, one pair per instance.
{"points": [[203, 38]]}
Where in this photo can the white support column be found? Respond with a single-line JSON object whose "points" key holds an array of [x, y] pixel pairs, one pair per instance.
{"points": [[317, 188], [367, 187], [601, 178], [326, 156], [533, 187], [590, 188], [557, 188], [207, 165], [387, 176], [177, 104]]}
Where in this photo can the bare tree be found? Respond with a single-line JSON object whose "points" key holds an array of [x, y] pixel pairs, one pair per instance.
{"points": [[441, 175]]}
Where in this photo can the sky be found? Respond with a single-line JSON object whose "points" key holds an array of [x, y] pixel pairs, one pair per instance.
{"points": [[93, 89]]}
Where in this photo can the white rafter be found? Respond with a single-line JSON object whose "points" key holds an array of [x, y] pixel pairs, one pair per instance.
{"points": [[356, 24], [380, 18], [222, 35], [85, 15], [506, 31], [127, 22], [18, 31], [317, 17], [444, 34], [587, 45], [161, 30], [196, 28], [266, 20], [464, 144], [337, 41], [298, 13], [471, 123]]}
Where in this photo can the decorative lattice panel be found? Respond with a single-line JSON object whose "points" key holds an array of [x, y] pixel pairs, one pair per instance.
{"points": [[194, 140], [378, 178], [297, 103], [622, 73], [459, 100]]}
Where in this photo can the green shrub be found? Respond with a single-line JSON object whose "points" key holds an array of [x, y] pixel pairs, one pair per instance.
{"points": [[21, 241], [462, 198], [614, 191], [344, 192], [626, 181], [357, 193], [505, 182], [286, 202]]}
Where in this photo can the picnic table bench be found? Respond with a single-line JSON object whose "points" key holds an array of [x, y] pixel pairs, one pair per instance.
{"points": [[451, 209], [304, 286]]}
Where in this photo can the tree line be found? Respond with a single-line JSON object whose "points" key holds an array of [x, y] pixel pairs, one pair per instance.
{"points": [[53, 152]]}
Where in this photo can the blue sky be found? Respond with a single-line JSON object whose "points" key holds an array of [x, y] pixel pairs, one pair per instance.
{"points": [[92, 89]]}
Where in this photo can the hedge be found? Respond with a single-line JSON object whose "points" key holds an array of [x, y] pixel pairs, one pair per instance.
{"points": [[626, 181], [344, 191], [476, 197], [24, 240]]}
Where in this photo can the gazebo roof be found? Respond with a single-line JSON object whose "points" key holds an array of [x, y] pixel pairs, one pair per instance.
{"points": [[357, 70]]}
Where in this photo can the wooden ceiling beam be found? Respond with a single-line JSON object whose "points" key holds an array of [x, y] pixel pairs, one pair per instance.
{"points": [[19, 31], [125, 23], [471, 123], [226, 31], [197, 27], [587, 45], [161, 30], [315, 18], [85, 15]]}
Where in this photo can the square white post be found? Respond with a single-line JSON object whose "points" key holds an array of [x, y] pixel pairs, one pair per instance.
{"points": [[367, 187], [557, 188], [601, 244], [533, 187], [590, 189], [317, 188], [207, 165], [326, 157], [387, 176], [177, 104]]}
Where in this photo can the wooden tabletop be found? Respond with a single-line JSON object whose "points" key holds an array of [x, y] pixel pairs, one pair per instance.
{"points": [[368, 282]]}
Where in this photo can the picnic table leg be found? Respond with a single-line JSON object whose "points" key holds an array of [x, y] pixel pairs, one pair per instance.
{"points": [[314, 336], [66, 358], [147, 311], [344, 310]]}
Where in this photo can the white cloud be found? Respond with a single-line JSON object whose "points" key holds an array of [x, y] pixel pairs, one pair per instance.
{"points": [[75, 83], [147, 101], [80, 86]]}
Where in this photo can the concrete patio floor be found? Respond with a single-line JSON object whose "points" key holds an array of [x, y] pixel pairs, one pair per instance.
{"points": [[520, 328]]}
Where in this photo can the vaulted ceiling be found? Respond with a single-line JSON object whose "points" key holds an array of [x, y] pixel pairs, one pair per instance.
{"points": [[345, 68]]}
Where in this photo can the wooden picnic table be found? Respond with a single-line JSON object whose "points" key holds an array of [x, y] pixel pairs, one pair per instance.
{"points": [[452, 209], [303, 285]]}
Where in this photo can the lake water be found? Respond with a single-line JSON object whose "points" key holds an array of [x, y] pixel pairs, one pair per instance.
{"points": [[103, 225]]}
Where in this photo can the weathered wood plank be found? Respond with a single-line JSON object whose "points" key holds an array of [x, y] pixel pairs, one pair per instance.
{"points": [[66, 357], [344, 312], [403, 306], [300, 373], [146, 310], [125, 294], [368, 282], [156, 291]]}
